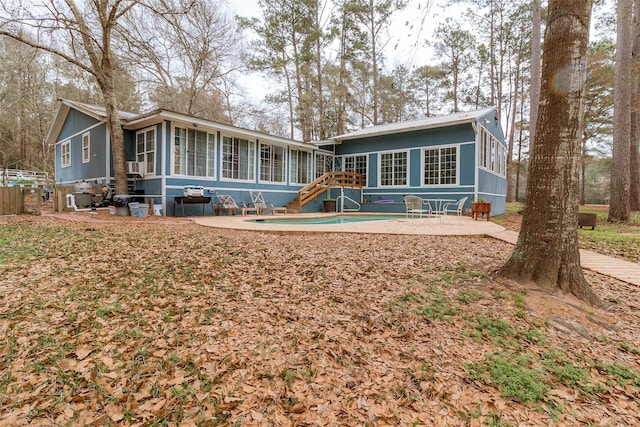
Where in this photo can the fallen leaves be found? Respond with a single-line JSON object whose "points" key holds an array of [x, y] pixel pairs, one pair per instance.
{"points": [[138, 324]]}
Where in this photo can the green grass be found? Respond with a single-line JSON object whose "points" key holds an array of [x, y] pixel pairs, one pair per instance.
{"points": [[513, 375]]}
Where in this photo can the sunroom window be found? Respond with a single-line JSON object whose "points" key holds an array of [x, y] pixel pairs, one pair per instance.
{"points": [[272, 163], [300, 166], [194, 152], [238, 158]]}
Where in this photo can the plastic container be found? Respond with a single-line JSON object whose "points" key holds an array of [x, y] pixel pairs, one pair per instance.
{"points": [[157, 209], [134, 208], [143, 210]]}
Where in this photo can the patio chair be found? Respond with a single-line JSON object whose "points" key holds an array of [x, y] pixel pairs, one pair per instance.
{"points": [[414, 205], [259, 203], [227, 204], [454, 207]]}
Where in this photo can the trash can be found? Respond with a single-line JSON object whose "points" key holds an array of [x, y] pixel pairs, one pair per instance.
{"points": [[120, 201]]}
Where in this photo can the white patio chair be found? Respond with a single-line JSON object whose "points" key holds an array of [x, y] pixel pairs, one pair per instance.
{"points": [[454, 207], [414, 205], [258, 202]]}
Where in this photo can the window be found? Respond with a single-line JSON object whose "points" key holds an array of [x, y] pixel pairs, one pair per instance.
{"points": [[65, 154], [492, 154], [238, 158], [300, 167], [324, 164], [393, 169], [194, 152], [357, 164], [272, 163], [441, 166], [86, 149], [145, 149]]}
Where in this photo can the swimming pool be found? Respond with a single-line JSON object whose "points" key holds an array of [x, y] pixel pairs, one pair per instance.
{"points": [[338, 219]]}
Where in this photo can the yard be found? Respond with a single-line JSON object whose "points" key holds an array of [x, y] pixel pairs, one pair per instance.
{"points": [[173, 324]]}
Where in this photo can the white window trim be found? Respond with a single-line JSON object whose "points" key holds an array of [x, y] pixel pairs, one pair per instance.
{"points": [[64, 144], [408, 184], [285, 165], [86, 137], [252, 142], [155, 156], [422, 166]]}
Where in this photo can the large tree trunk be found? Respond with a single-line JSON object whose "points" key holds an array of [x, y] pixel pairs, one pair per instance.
{"points": [[620, 170], [535, 72], [634, 199], [547, 251]]}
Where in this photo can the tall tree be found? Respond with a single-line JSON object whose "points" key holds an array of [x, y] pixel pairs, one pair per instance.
{"points": [[27, 105], [634, 158], [534, 87], [374, 16], [456, 46], [547, 250], [619, 207], [87, 31], [185, 60]]}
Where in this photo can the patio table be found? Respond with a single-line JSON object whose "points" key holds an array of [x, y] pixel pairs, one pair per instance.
{"points": [[438, 204]]}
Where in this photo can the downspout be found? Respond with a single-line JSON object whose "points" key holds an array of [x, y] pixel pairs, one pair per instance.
{"points": [[108, 154], [476, 160], [163, 166]]}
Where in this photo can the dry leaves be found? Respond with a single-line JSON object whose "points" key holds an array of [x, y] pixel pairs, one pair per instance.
{"points": [[175, 324]]}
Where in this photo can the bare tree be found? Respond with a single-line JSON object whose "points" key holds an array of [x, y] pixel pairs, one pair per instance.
{"points": [[87, 31], [185, 59], [547, 251], [620, 172]]}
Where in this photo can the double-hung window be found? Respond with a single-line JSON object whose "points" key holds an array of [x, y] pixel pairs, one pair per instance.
{"points": [[272, 163], [238, 158], [301, 166], [394, 169], [440, 166], [86, 148], [357, 164], [194, 152], [65, 154], [146, 149]]}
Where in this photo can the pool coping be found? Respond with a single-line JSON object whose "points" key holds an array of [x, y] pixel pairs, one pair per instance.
{"points": [[449, 225]]}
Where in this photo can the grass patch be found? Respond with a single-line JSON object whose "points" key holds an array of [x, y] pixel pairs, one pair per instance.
{"points": [[513, 375]]}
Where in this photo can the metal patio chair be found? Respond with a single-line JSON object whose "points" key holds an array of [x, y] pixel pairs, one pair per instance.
{"points": [[258, 202], [454, 207], [414, 205]]}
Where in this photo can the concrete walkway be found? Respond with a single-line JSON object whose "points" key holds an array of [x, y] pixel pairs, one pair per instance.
{"points": [[613, 267]]}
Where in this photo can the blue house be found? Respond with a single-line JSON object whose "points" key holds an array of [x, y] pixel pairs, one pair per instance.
{"points": [[440, 157]]}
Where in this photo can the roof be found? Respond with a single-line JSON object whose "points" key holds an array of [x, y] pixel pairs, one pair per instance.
{"points": [[136, 121], [414, 125]]}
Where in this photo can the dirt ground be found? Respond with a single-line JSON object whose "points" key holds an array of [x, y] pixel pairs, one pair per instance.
{"points": [[117, 321]]}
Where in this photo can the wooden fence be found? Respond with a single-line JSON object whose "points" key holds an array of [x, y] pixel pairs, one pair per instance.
{"points": [[16, 200]]}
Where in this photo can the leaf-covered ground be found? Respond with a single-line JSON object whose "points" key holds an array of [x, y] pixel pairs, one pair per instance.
{"points": [[173, 324]]}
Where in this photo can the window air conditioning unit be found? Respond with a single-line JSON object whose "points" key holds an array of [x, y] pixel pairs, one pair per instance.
{"points": [[135, 168]]}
